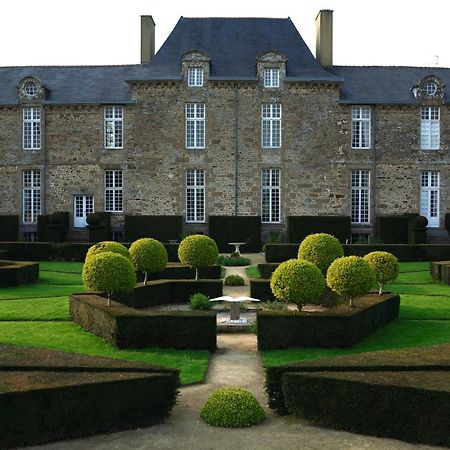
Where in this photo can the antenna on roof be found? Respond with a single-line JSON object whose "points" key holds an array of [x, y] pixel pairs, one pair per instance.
{"points": [[437, 60]]}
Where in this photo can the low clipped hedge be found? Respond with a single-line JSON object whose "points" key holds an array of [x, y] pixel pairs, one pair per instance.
{"points": [[13, 273], [328, 329], [440, 270], [182, 272], [298, 227], [161, 228], [9, 227], [260, 289]]}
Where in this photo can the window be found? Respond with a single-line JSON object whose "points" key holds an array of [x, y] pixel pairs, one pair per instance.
{"points": [[360, 196], [29, 236], [271, 125], [195, 125], [31, 195], [429, 196], [361, 127], [32, 128], [113, 127], [270, 196], [195, 76], [113, 190], [429, 128], [30, 89], [272, 78], [430, 88], [195, 195]]}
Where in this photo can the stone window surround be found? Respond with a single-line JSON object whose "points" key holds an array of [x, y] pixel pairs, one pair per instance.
{"points": [[271, 192], [195, 125], [430, 128], [31, 128], [24, 97], [429, 196], [195, 200], [195, 76], [113, 127], [31, 195], [271, 125], [361, 117], [271, 60], [360, 197], [195, 59], [113, 194]]}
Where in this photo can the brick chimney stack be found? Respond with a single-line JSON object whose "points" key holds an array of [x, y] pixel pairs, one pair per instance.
{"points": [[147, 39], [324, 37]]}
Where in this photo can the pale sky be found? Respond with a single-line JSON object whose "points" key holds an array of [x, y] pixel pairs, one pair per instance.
{"points": [[86, 32]]}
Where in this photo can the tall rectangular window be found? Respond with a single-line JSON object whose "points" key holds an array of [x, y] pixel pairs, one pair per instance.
{"points": [[113, 190], [272, 78], [429, 196], [360, 127], [113, 127], [271, 125], [270, 196], [31, 195], [195, 76], [429, 128], [195, 125], [32, 128], [360, 196], [195, 195]]}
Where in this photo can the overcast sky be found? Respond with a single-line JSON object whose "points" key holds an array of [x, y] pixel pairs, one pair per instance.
{"points": [[85, 32]]}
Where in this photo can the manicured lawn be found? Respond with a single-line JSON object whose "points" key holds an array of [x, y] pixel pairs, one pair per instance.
{"points": [[31, 309], [252, 272]]}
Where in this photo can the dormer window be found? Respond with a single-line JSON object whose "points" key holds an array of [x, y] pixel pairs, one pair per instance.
{"points": [[30, 89], [195, 76], [271, 77], [430, 88]]}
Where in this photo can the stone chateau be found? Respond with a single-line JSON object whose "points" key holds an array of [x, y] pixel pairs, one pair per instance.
{"points": [[232, 116]]}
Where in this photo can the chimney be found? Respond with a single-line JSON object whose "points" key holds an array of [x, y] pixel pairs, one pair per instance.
{"points": [[147, 39], [324, 37]]}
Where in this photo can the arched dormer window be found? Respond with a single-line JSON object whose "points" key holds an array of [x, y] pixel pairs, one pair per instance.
{"points": [[271, 69], [195, 68], [30, 89], [429, 89]]}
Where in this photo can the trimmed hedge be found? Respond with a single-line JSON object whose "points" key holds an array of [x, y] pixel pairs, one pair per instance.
{"points": [[13, 273], [9, 228], [298, 227], [182, 272], [161, 228], [393, 229], [99, 226], [225, 229], [440, 270], [260, 289], [328, 329], [126, 327]]}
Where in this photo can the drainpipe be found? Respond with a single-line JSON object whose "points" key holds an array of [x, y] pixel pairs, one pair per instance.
{"points": [[374, 168], [236, 149], [45, 157]]}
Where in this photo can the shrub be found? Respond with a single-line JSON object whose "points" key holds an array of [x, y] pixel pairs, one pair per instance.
{"points": [[233, 261], [232, 407], [108, 246], [110, 272], [198, 251], [234, 280], [200, 301], [350, 276], [271, 306], [385, 266], [321, 249], [297, 281], [149, 256]]}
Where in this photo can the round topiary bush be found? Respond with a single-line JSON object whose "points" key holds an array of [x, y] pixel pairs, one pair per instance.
{"points": [[297, 281], [108, 246], [200, 302], [321, 249], [232, 407], [198, 251], [149, 256], [350, 276], [234, 280], [385, 266], [110, 272]]}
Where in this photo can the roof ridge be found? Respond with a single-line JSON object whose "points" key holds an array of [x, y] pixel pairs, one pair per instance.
{"points": [[390, 67], [73, 66]]}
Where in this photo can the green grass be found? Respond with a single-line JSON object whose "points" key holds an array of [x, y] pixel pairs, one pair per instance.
{"points": [[61, 266], [425, 307], [252, 272], [416, 266], [32, 309], [39, 290]]}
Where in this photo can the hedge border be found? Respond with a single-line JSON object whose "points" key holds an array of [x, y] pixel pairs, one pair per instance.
{"points": [[298, 227], [13, 273]]}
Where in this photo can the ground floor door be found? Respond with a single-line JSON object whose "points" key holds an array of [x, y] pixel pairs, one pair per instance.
{"points": [[82, 206], [429, 196]]}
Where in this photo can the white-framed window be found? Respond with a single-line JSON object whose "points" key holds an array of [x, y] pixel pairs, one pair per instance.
{"points": [[271, 125], [31, 195], [195, 76], [113, 127], [272, 77], [270, 196], [195, 195], [360, 196], [429, 128], [32, 128], [429, 196], [360, 127], [113, 190], [430, 88], [195, 125]]}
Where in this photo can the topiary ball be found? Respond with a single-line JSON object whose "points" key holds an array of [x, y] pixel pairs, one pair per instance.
{"points": [[385, 266], [200, 302], [321, 249], [297, 281], [198, 250], [110, 272], [232, 407], [108, 246], [148, 255], [234, 280], [350, 276]]}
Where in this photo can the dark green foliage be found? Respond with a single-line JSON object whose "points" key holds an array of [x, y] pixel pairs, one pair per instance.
{"points": [[148, 256], [226, 229], [57, 226], [393, 229], [13, 273], [200, 302], [9, 228], [260, 289], [277, 253], [298, 227], [232, 407], [267, 269], [447, 222], [99, 226], [172, 252], [161, 228], [198, 251], [233, 261], [108, 246], [181, 272], [385, 266], [440, 271], [234, 280], [272, 306], [340, 328]]}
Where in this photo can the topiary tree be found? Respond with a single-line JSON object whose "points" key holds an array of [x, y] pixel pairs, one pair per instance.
{"points": [[198, 251], [385, 266], [350, 276], [149, 256], [321, 249], [232, 407], [110, 272], [297, 281], [108, 246]]}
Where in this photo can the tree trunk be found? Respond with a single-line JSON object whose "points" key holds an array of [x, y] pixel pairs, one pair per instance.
{"points": [[145, 278], [381, 289], [351, 302], [108, 303], [196, 273]]}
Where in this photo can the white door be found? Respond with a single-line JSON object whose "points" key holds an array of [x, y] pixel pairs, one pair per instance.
{"points": [[429, 196], [82, 206]]}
